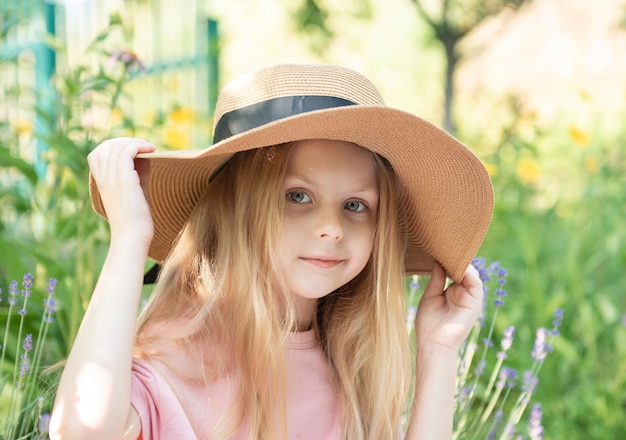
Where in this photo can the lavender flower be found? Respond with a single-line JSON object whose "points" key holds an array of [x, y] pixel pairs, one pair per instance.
{"points": [[500, 293], [25, 364], [556, 322], [508, 376], [52, 284], [541, 345], [13, 291], [494, 409], [506, 342], [49, 302], [495, 424], [535, 430], [480, 368], [44, 423], [509, 431], [27, 284], [529, 382]]}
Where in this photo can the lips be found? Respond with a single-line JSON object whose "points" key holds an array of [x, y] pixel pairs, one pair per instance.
{"points": [[322, 262]]}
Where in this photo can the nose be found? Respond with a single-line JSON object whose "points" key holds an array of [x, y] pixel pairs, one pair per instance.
{"points": [[329, 224]]}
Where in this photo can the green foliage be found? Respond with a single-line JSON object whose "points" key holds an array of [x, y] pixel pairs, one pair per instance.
{"points": [[48, 224], [25, 399], [558, 228]]}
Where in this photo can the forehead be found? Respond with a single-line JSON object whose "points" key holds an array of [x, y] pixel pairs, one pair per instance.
{"points": [[323, 156]]}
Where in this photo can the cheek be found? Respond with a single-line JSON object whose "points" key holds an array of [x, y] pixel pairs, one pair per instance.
{"points": [[291, 231], [364, 241]]}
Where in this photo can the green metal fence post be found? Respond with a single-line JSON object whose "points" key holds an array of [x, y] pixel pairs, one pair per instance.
{"points": [[45, 66], [213, 64]]}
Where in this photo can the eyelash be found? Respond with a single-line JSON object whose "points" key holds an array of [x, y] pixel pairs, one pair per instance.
{"points": [[290, 196]]}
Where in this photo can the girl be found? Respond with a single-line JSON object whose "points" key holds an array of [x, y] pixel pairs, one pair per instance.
{"points": [[279, 310]]}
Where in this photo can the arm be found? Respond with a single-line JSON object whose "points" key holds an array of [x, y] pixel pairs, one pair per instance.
{"points": [[93, 397], [443, 321]]}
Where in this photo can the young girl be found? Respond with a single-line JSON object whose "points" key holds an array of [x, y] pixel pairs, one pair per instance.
{"points": [[279, 310]]}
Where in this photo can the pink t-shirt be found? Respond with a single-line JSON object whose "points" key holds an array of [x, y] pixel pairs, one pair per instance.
{"points": [[313, 405]]}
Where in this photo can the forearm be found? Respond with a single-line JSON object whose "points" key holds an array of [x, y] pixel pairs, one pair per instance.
{"points": [[93, 397], [433, 405]]}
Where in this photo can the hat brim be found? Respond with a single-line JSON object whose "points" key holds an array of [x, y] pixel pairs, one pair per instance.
{"points": [[445, 193]]}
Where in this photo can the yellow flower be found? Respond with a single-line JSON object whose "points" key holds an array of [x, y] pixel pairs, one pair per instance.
{"points": [[116, 117], [181, 116], [579, 136], [176, 137], [591, 164], [22, 126], [492, 168], [528, 170]]}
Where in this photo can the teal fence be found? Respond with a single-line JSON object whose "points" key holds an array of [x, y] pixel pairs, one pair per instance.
{"points": [[177, 46]]}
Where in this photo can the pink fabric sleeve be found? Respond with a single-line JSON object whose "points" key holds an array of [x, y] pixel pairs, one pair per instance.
{"points": [[162, 417]]}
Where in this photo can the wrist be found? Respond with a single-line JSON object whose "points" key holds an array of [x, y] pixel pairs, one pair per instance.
{"points": [[130, 243], [427, 350]]}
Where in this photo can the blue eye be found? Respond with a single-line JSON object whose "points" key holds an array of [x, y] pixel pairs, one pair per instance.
{"points": [[298, 197], [355, 206]]}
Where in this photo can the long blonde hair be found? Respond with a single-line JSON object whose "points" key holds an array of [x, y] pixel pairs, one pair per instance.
{"points": [[221, 288]]}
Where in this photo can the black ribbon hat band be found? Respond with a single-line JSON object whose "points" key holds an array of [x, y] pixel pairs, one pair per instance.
{"points": [[261, 113]]}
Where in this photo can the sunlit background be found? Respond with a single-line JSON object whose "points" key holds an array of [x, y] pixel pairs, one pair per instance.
{"points": [[536, 88]]}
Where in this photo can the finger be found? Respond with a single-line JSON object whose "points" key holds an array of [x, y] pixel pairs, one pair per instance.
{"points": [[472, 282], [437, 281]]}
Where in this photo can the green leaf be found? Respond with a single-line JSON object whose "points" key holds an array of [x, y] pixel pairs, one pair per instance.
{"points": [[10, 161]]}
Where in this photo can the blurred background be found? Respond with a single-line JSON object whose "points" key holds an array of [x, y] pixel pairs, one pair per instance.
{"points": [[537, 88]]}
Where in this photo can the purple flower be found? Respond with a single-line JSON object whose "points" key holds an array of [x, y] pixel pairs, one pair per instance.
{"points": [[27, 282], [13, 291], [52, 284], [507, 340], [50, 309], [507, 377], [500, 293], [495, 424], [414, 283], [509, 431], [44, 423], [130, 60], [28, 343], [556, 322], [464, 394], [535, 430], [529, 382], [480, 368], [541, 345]]}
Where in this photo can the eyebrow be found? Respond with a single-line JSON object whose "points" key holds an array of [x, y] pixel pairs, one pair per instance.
{"points": [[357, 188]]}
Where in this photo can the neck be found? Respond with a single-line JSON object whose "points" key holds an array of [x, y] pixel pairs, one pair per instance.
{"points": [[305, 311]]}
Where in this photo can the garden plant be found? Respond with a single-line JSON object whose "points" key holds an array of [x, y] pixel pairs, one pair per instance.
{"points": [[547, 359]]}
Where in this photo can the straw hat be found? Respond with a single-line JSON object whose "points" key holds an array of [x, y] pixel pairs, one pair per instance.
{"points": [[445, 194]]}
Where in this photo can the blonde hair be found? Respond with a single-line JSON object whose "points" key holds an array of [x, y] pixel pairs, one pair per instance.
{"points": [[220, 288]]}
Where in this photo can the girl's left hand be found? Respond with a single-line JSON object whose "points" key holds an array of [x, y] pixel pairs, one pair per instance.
{"points": [[446, 316]]}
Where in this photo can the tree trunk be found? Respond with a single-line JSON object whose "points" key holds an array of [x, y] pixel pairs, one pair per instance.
{"points": [[452, 59]]}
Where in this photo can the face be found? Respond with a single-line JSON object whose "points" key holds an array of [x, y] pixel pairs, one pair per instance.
{"points": [[331, 203]]}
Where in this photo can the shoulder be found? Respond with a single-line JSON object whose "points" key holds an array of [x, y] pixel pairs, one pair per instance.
{"points": [[161, 415]]}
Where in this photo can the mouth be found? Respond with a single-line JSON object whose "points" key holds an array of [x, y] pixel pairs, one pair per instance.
{"points": [[322, 262]]}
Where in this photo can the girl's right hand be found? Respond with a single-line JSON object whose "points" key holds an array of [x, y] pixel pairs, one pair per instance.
{"points": [[122, 181]]}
